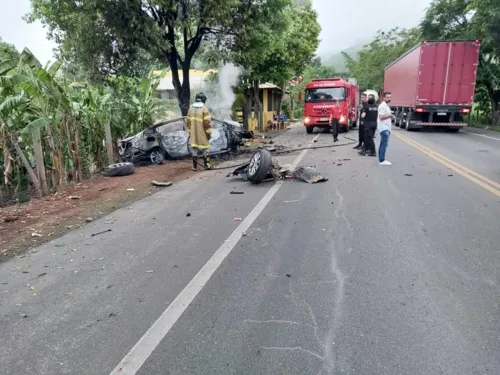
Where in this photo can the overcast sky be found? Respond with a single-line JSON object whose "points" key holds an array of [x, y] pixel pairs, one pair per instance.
{"points": [[344, 23], [348, 22]]}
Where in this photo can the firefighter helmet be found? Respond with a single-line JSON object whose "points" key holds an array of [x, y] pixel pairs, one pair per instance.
{"points": [[201, 97]]}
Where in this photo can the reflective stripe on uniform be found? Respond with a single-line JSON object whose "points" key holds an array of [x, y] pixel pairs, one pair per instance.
{"points": [[208, 131], [201, 147], [195, 119]]}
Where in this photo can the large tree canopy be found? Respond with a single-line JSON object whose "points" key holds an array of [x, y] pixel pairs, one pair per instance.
{"points": [[276, 49], [108, 37]]}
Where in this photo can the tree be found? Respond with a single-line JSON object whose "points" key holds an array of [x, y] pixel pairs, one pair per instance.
{"points": [[109, 37], [376, 56], [477, 19], [275, 49], [8, 49]]}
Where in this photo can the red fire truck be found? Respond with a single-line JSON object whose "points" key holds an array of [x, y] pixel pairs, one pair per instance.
{"points": [[322, 94]]}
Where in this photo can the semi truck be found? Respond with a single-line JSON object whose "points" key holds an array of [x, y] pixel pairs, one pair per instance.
{"points": [[321, 95], [433, 84]]}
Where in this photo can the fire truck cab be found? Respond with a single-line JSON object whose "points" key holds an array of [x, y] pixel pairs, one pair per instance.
{"points": [[323, 94]]}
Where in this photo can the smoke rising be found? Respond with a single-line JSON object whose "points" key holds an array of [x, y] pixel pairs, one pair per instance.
{"points": [[221, 97]]}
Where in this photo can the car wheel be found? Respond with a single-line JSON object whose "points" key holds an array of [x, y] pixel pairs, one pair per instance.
{"points": [[259, 167], [309, 129], [157, 155], [119, 169], [128, 157]]}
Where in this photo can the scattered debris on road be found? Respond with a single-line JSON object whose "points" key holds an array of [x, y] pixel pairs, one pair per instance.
{"points": [[288, 275], [263, 167], [238, 219], [237, 192], [10, 219], [150, 271], [188, 214], [161, 184], [408, 175], [309, 175], [98, 233], [75, 197]]}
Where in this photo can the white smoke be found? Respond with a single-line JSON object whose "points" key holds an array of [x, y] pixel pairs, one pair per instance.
{"points": [[221, 97]]}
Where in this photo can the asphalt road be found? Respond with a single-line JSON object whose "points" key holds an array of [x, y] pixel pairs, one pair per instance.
{"points": [[380, 270]]}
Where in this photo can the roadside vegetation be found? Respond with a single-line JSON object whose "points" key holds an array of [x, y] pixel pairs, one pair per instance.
{"points": [[53, 118]]}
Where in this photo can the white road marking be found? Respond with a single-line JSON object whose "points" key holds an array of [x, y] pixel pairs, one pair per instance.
{"points": [[482, 135], [141, 351]]}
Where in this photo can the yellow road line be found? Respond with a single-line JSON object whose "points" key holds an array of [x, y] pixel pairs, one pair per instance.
{"points": [[492, 186]]}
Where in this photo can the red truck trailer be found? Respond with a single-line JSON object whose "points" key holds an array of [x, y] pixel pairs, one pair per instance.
{"points": [[322, 94], [433, 84]]}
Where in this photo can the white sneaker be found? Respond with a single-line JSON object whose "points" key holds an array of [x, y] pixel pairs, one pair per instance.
{"points": [[385, 162]]}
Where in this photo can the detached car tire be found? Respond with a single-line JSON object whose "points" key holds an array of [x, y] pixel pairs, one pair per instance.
{"points": [[259, 167], [119, 169]]}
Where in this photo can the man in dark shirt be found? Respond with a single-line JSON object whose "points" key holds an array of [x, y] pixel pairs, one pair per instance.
{"points": [[335, 114], [369, 115], [361, 131]]}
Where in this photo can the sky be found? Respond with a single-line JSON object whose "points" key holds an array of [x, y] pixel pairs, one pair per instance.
{"points": [[344, 23], [14, 30]]}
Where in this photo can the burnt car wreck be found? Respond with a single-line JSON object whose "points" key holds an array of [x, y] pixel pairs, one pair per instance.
{"points": [[170, 140]]}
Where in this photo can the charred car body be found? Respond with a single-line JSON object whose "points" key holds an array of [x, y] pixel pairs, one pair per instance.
{"points": [[170, 140]]}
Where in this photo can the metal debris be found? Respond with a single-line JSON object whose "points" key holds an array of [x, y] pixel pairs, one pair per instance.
{"points": [[98, 233], [309, 175], [161, 184]]}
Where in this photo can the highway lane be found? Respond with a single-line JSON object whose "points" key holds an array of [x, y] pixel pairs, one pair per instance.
{"points": [[476, 149], [380, 270]]}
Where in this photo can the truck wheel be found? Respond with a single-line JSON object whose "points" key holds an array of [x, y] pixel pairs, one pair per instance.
{"points": [[401, 121], [309, 129], [259, 167], [407, 121], [119, 169]]}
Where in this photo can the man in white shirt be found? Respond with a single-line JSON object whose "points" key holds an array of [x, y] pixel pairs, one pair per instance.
{"points": [[384, 125]]}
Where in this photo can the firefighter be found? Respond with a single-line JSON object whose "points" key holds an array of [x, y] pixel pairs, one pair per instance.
{"points": [[335, 113], [361, 130], [199, 124]]}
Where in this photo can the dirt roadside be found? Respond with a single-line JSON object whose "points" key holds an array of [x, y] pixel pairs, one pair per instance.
{"points": [[41, 220], [29, 225]]}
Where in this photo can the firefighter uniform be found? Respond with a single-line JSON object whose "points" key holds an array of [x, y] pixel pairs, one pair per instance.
{"points": [[199, 124]]}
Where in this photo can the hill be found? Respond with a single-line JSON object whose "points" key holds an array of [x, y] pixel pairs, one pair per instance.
{"points": [[337, 60]]}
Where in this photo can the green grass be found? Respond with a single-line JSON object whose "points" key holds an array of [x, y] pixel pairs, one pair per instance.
{"points": [[479, 125]]}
